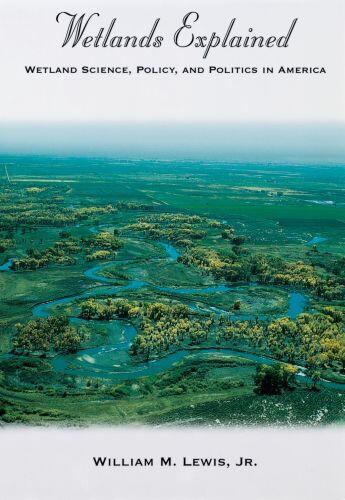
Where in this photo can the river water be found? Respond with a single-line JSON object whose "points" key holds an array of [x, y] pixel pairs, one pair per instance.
{"points": [[112, 359], [6, 266]]}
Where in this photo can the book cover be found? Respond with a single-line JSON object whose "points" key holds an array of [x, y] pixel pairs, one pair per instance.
{"points": [[172, 218]]}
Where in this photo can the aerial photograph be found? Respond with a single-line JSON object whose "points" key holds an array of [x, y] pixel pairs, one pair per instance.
{"points": [[171, 291]]}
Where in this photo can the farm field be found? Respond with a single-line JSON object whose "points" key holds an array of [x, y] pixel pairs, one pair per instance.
{"points": [[171, 293]]}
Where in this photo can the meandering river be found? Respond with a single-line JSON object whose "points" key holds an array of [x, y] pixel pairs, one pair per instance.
{"points": [[112, 359]]}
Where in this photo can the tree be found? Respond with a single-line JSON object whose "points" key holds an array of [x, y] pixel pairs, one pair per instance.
{"points": [[238, 240], [315, 377], [46, 334], [227, 233], [273, 379], [89, 309], [237, 305]]}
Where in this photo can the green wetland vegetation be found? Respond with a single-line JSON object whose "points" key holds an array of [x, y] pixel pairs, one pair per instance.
{"points": [[171, 293]]}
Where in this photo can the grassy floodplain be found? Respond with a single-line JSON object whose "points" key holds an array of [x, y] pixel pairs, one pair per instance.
{"points": [[153, 292]]}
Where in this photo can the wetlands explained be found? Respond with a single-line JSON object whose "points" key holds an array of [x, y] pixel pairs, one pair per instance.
{"points": [[85, 31]]}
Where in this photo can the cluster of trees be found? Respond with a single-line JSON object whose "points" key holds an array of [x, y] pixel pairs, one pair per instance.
{"points": [[296, 274], [182, 235], [108, 309], [27, 206], [337, 267], [237, 264], [104, 241], [41, 216], [47, 334], [99, 255], [160, 325], [43, 206], [225, 266], [5, 243], [44, 214], [315, 340], [274, 379], [232, 264], [181, 229], [172, 220], [331, 263], [101, 246], [163, 326], [330, 289], [84, 213], [133, 205], [98, 247], [35, 190], [169, 331], [301, 274], [32, 206], [228, 233], [60, 253], [123, 308]]}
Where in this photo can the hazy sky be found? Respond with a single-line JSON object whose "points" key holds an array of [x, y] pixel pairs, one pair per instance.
{"points": [[82, 109], [296, 143]]}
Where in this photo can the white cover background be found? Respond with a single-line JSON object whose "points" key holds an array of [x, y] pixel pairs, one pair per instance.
{"points": [[56, 464], [29, 35]]}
